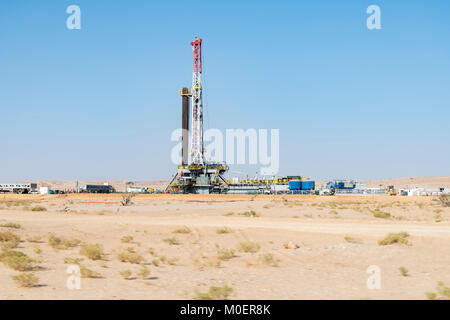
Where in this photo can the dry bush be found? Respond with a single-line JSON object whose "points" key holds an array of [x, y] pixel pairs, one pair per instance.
{"points": [[229, 214], [224, 254], [214, 293], [445, 200], [392, 238], [126, 274], [171, 241], [34, 239], [126, 239], [88, 273], [10, 225], [155, 262], [9, 240], [403, 271], [126, 199], [131, 257], [73, 261], [269, 259], [377, 213], [144, 272], [61, 243], [39, 208], [26, 280], [443, 292], [92, 251], [37, 250], [250, 213], [223, 230], [351, 239], [17, 260], [182, 230], [248, 246]]}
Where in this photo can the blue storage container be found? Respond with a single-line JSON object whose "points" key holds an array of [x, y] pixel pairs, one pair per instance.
{"points": [[308, 185], [295, 185]]}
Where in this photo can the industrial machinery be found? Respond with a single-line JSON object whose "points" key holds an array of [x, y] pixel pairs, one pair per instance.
{"points": [[198, 175], [390, 190], [19, 188], [93, 188]]}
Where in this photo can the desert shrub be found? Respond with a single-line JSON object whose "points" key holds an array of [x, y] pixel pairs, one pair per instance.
{"points": [[9, 240], [144, 272], [17, 260], [403, 271], [37, 250], [269, 259], [39, 208], [126, 199], [223, 230], [88, 273], [61, 243], [445, 200], [351, 239], [224, 254], [392, 238], [214, 293], [73, 260], [126, 239], [92, 251], [10, 225], [34, 239], [26, 280], [443, 292], [377, 213], [182, 230], [250, 213], [155, 262], [229, 214], [131, 257], [126, 274], [171, 241], [248, 246], [151, 251]]}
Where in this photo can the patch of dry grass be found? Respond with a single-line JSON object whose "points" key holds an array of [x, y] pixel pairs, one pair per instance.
{"points": [[17, 260], [61, 243], [126, 239], [9, 240], [38, 209], [223, 230], [182, 230], [10, 225], [392, 238], [171, 241], [269, 259], [131, 257], [352, 239], [224, 254], [249, 246], [26, 280], [92, 251], [214, 293]]}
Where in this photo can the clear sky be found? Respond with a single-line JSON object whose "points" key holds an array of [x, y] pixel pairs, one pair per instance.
{"points": [[101, 102]]}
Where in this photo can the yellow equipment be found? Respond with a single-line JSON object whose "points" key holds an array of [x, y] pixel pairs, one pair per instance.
{"points": [[390, 190]]}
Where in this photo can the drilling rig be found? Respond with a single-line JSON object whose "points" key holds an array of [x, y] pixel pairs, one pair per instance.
{"points": [[196, 175]]}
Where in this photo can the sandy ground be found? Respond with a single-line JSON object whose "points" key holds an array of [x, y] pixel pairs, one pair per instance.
{"points": [[324, 266]]}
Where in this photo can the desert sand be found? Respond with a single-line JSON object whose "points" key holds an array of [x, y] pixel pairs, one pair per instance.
{"points": [[305, 247]]}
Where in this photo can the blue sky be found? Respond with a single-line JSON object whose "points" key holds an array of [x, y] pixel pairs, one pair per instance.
{"points": [[101, 102]]}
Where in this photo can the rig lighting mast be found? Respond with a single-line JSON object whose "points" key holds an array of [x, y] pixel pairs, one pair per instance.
{"points": [[197, 105]]}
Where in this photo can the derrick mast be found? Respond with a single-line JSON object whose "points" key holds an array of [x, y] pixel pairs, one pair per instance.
{"points": [[197, 105]]}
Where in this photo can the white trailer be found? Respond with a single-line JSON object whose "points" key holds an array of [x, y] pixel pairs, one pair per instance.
{"points": [[18, 188]]}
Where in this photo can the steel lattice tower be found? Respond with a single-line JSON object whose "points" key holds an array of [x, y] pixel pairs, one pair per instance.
{"points": [[197, 105]]}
